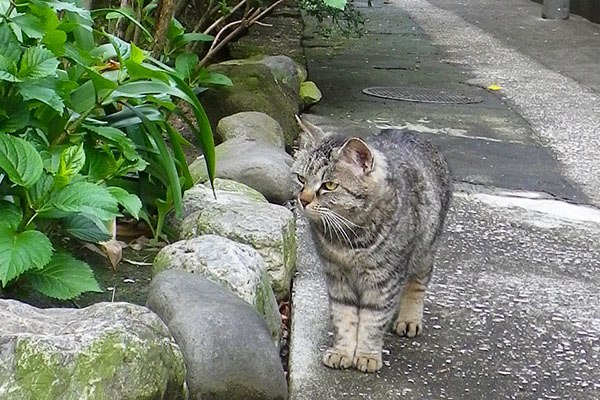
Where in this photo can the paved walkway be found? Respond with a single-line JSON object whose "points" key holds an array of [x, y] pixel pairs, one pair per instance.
{"points": [[514, 306]]}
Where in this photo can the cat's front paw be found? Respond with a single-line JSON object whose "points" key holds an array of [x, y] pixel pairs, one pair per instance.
{"points": [[337, 358], [408, 328], [367, 362]]}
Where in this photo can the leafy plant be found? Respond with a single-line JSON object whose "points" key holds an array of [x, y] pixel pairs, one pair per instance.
{"points": [[83, 138], [341, 13]]}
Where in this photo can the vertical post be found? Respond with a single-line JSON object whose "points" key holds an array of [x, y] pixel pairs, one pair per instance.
{"points": [[555, 9]]}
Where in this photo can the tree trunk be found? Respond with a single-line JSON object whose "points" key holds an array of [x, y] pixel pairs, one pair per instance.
{"points": [[164, 13]]}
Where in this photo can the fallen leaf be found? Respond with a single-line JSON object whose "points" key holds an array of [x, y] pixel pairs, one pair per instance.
{"points": [[494, 87]]}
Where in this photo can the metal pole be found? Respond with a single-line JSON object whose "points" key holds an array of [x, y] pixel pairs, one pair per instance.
{"points": [[555, 9]]}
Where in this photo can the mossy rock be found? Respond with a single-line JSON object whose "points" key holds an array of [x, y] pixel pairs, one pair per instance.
{"points": [[254, 89]]}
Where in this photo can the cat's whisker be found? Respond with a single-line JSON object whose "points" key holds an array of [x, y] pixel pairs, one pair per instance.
{"points": [[348, 224], [339, 228]]}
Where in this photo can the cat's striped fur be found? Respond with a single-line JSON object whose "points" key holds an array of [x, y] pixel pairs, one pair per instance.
{"points": [[377, 209]]}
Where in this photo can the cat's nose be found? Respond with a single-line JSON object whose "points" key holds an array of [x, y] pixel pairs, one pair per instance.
{"points": [[306, 198]]}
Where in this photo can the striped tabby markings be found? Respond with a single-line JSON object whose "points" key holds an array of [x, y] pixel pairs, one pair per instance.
{"points": [[410, 313], [345, 323]]}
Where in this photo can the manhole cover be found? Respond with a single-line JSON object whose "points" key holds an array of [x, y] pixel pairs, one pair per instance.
{"points": [[420, 95]]}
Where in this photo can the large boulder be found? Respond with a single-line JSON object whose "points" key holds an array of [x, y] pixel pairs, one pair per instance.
{"points": [[254, 89], [251, 125], [236, 266], [227, 345], [105, 351], [284, 69], [262, 167], [268, 228]]}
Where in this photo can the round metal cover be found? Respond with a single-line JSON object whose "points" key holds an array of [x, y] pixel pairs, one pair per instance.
{"points": [[418, 95]]}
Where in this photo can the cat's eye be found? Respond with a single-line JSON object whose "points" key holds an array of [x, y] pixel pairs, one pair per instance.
{"points": [[301, 179], [329, 185]]}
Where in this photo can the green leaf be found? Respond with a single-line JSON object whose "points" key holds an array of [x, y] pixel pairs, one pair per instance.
{"points": [[84, 98], [140, 71], [71, 7], [9, 44], [118, 138], [339, 4], [186, 64], [137, 54], [81, 197], [86, 228], [11, 215], [196, 37], [8, 70], [175, 30], [20, 252], [16, 113], [37, 62], [64, 278], [41, 190], [167, 161], [72, 160], [55, 41], [125, 117], [130, 202], [20, 160], [31, 25], [206, 78], [42, 90]]}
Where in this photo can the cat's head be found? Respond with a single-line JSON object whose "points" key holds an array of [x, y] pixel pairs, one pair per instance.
{"points": [[337, 177]]}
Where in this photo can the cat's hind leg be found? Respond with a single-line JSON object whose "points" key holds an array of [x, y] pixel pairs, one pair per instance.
{"points": [[410, 311]]}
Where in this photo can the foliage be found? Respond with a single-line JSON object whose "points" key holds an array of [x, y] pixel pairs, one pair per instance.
{"points": [[83, 126], [340, 12]]}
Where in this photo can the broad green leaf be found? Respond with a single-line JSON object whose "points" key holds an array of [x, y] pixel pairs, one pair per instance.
{"points": [[101, 165], [186, 64], [81, 197], [126, 12], [101, 82], [121, 48], [206, 78], [141, 89], [43, 91], [130, 202], [41, 190], [20, 252], [16, 113], [37, 62], [55, 41], [140, 71], [19, 160], [175, 30], [11, 215], [339, 4], [118, 138], [87, 228], [72, 160], [64, 278], [71, 7], [9, 44], [137, 54], [31, 25], [8, 70], [84, 98]]}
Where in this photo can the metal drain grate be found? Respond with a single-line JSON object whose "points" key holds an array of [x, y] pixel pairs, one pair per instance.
{"points": [[420, 95]]}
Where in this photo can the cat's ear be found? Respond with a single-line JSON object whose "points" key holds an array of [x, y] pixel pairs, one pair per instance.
{"points": [[310, 135], [357, 155]]}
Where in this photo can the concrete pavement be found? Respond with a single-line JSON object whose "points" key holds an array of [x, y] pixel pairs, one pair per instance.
{"points": [[513, 309]]}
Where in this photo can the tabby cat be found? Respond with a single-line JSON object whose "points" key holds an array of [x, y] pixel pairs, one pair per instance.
{"points": [[377, 209]]}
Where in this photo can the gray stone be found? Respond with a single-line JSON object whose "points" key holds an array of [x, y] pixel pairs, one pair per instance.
{"points": [[227, 346], [236, 266], [105, 351], [262, 167], [251, 125], [254, 89], [268, 228], [226, 191], [284, 69]]}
